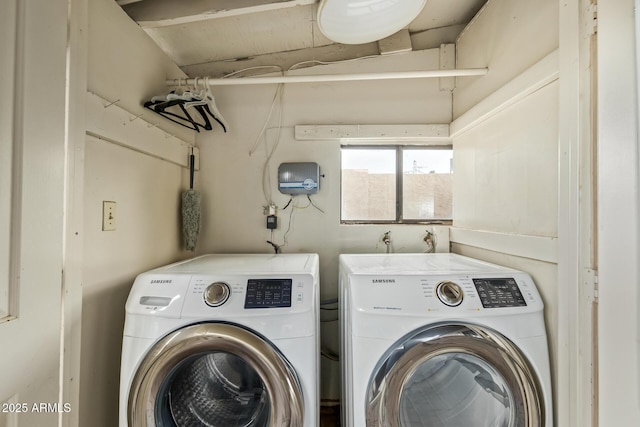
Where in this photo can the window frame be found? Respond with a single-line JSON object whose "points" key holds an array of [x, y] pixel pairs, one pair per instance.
{"points": [[399, 180]]}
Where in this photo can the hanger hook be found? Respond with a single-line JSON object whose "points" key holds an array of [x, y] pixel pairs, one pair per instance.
{"points": [[208, 88]]}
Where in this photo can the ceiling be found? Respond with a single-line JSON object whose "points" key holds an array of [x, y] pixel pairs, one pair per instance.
{"points": [[217, 37]]}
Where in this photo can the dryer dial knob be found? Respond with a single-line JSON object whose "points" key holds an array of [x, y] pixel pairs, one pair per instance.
{"points": [[449, 293], [216, 294]]}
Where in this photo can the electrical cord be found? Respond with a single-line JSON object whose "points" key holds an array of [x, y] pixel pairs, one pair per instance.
{"points": [[316, 61], [260, 67], [313, 204], [276, 248], [323, 351], [288, 203], [266, 178], [284, 238], [278, 99], [266, 122], [329, 355]]}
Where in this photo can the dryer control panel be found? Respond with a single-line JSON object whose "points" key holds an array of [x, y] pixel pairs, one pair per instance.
{"points": [[499, 292], [475, 294]]}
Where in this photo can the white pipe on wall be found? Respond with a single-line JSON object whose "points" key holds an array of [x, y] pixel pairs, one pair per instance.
{"points": [[330, 77]]}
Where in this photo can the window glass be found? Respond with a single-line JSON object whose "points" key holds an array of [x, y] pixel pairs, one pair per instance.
{"points": [[368, 184], [427, 184], [374, 190]]}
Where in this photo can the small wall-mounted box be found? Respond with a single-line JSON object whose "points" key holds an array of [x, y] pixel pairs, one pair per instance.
{"points": [[299, 178]]}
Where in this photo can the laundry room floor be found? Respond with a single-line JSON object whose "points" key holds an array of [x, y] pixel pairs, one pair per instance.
{"points": [[330, 416]]}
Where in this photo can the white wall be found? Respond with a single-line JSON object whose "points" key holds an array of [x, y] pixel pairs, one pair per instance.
{"points": [[123, 65], [230, 179], [506, 162], [506, 169], [508, 36]]}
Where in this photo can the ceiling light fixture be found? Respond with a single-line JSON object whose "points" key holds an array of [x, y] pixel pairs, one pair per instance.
{"points": [[364, 21]]}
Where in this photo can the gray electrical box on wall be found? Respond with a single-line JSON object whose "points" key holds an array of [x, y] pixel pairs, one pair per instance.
{"points": [[298, 178]]}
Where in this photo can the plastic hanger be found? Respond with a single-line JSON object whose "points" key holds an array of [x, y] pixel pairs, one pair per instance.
{"points": [[207, 104], [212, 105], [174, 107], [184, 119]]}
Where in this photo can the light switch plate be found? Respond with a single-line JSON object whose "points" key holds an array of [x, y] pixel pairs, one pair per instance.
{"points": [[108, 216]]}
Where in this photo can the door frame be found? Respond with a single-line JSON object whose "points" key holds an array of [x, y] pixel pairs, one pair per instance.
{"points": [[41, 125], [618, 382], [574, 388]]}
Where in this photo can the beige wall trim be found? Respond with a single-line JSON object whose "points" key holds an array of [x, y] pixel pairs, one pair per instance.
{"points": [[534, 247], [107, 121], [373, 133]]}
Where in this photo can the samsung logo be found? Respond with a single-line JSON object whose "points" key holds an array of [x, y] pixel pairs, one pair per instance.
{"points": [[383, 280], [154, 281]]}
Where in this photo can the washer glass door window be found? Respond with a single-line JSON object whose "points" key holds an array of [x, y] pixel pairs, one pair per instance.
{"points": [[215, 375], [213, 389], [454, 374]]}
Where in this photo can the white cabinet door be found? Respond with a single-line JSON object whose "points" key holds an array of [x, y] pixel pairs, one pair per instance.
{"points": [[33, 52]]}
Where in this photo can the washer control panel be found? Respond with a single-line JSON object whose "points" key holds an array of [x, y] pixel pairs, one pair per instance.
{"points": [[268, 293]]}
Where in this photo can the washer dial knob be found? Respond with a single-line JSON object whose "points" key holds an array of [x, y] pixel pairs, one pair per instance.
{"points": [[449, 293], [216, 294]]}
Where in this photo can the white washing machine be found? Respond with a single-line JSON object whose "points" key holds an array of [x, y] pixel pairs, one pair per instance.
{"points": [[223, 341], [441, 340]]}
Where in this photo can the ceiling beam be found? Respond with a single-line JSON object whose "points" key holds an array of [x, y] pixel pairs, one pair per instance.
{"points": [[262, 64], [123, 2], [266, 63], [163, 13]]}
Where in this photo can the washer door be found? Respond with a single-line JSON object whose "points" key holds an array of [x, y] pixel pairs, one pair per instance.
{"points": [[214, 375], [454, 375]]}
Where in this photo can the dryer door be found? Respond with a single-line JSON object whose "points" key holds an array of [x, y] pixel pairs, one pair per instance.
{"points": [[454, 375], [214, 375]]}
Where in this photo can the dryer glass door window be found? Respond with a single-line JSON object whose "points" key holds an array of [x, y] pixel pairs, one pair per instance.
{"points": [[456, 389], [454, 374], [215, 389]]}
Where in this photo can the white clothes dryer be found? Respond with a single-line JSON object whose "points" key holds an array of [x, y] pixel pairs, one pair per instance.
{"points": [[441, 340], [223, 341]]}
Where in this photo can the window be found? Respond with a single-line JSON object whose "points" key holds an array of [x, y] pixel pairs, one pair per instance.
{"points": [[396, 184]]}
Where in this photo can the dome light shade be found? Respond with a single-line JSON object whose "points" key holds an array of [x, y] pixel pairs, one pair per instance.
{"points": [[365, 21]]}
